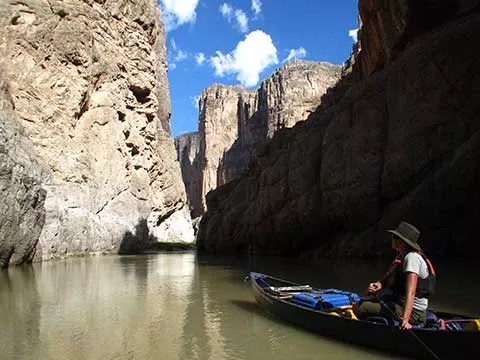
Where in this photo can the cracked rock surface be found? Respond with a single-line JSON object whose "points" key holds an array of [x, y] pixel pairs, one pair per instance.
{"points": [[88, 87]]}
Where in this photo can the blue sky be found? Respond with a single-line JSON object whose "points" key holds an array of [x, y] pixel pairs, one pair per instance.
{"points": [[244, 41]]}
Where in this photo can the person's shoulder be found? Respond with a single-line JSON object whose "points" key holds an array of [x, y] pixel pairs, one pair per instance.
{"points": [[413, 262], [413, 256]]}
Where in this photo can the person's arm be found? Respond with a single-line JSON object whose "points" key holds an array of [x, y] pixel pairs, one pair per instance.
{"points": [[385, 280], [412, 280]]}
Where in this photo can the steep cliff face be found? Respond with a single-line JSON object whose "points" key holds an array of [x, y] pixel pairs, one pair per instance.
{"points": [[22, 205], [285, 98], [234, 121], [293, 92], [188, 150], [88, 84], [222, 109], [397, 139], [389, 27]]}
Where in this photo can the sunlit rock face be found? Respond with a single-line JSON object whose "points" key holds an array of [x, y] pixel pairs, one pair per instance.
{"points": [[396, 139], [283, 99], [222, 109], [293, 92], [22, 206], [88, 86], [234, 122]]}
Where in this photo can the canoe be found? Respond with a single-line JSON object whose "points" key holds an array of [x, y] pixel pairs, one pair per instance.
{"points": [[275, 295]]}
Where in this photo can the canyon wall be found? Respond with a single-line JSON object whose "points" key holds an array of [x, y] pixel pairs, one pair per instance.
{"points": [[222, 109], [234, 122], [396, 139], [188, 150], [88, 89], [284, 98], [22, 206]]}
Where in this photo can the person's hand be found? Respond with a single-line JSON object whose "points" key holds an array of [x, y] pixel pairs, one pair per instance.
{"points": [[405, 325], [374, 287]]}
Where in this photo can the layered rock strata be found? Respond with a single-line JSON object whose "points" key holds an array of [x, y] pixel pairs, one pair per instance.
{"points": [[397, 139], [88, 85]]}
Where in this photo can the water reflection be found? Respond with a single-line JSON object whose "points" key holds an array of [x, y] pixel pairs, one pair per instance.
{"points": [[18, 296], [173, 306]]}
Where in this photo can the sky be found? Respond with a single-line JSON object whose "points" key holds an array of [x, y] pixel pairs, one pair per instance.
{"points": [[242, 42]]}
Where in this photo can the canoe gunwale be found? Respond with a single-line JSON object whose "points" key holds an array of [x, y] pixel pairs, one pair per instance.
{"points": [[446, 344]]}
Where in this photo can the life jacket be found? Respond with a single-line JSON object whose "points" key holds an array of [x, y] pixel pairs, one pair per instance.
{"points": [[425, 287]]}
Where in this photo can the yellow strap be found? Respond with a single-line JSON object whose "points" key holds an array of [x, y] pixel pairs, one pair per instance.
{"points": [[473, 325], [345, 311]]}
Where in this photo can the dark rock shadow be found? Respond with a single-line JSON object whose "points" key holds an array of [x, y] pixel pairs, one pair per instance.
{"points": [[138, 242], [190, 176], [252, 135]]}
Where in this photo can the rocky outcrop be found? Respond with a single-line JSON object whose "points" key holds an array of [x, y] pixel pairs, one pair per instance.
{"points": [[188, 150], [234, 121], [22, 205], [397, 139], [389, 26], [285, 98], [88, 85], [293, 92], [222, 111]]}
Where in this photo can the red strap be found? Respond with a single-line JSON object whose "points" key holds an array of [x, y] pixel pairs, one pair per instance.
{"points": [[429, 264], [430, 267]]}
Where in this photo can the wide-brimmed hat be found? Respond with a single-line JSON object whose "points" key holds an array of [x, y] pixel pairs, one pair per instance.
{"points": [[407, 233]]}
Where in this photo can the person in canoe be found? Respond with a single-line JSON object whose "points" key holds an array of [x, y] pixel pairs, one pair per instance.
{"points": [[411, 278]]}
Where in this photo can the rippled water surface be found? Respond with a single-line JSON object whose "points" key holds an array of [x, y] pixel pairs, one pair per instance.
{"points": [[177, 306]]}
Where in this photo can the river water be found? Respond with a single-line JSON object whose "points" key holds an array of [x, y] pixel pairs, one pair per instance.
{"points": [[180, 306]]}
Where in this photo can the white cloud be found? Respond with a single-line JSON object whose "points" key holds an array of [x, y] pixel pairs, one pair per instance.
{"points": [[200, 58], [353, 34], [178, 12], [251, 56], [226, 10], [195, 100], [180, 55], [296, 54], [175, 54], [241, 19], [256, 7]]}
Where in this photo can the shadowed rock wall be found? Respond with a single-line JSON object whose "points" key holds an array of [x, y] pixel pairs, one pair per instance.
{"points": [[397, 139], [284, 98], [88, 86], [188, 150], [234, 122]]}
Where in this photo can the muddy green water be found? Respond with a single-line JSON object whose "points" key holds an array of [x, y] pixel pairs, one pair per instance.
{"points": [[179, 306]]}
